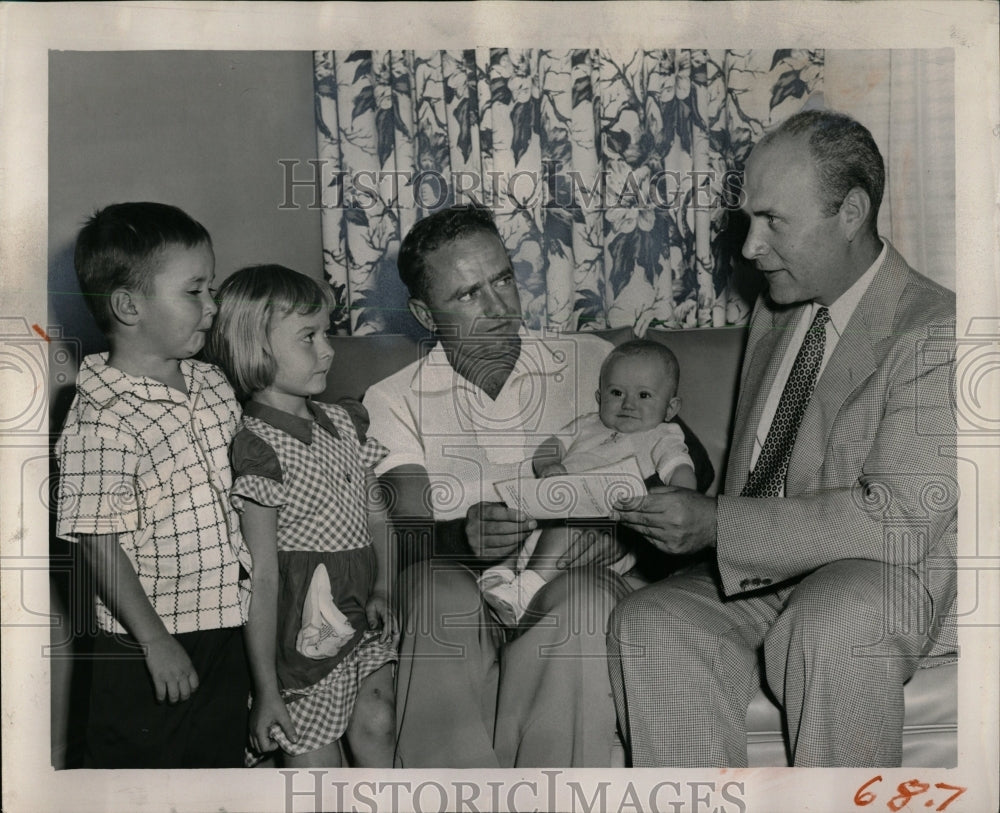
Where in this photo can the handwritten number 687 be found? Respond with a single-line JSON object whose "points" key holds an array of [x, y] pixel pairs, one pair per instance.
{"points": [[904, 792]]}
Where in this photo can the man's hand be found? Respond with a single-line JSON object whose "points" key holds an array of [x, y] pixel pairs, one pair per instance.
{"points": [[591, 547], [495, 531], [676, 520], [174, 676]]}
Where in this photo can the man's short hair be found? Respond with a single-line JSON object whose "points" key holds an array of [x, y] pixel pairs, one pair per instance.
{"points": [[118, 247], [248, 302], [648, 348], [845, 155], [431, 233]]}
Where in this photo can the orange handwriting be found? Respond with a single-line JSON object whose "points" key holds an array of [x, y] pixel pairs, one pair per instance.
{"points": [[905, 791]]}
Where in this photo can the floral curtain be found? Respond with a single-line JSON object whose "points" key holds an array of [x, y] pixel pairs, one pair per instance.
{"points": [[614, 176]]}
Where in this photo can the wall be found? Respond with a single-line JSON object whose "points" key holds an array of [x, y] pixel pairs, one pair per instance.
{"points": [[203, 130], [907, 99]]}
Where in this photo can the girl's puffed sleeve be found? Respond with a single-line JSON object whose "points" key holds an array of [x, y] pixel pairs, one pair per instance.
{"points": [[257, 474], [372, 452]]}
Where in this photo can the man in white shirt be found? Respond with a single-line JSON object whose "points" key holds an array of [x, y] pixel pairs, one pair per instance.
{"points": [[467, 415], [831, 558]]}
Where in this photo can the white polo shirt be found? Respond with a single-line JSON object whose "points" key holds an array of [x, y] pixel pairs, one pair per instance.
{"points": [[430, 416]]}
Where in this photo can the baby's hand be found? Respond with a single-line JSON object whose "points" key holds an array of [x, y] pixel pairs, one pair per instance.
{"points": [[552, 470], [379, 617]]}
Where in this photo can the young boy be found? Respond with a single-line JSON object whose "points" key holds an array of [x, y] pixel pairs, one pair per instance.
{"points": [[144, 482], [636, 398]]}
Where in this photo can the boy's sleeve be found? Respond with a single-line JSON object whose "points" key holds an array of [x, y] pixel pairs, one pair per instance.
{"points": [[99, 484], [257, 474]]}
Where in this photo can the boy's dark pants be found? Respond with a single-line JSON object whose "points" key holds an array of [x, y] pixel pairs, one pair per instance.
{"points": [[127, 728]]}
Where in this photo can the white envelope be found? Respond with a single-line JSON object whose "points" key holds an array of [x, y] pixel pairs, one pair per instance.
{"points": [[574, 496]]}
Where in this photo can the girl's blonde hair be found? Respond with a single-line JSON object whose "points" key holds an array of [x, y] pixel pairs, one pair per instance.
{"points": [[248, 301]]}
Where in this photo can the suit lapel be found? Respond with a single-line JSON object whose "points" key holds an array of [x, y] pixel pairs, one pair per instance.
{"points": [[856, 356], [769, 337]]}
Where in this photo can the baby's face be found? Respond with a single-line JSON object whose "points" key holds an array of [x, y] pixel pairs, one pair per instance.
{"points": [[636, 394]]}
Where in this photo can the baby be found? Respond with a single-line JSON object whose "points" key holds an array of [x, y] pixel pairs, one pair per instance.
{"points": [[636, 397]]}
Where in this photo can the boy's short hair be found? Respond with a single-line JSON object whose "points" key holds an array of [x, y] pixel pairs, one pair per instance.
{"points": [[646, 347], [248, 300], [434, 231], [118, 247]]}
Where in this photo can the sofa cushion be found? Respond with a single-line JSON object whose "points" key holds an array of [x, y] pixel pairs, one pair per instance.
{"points": [[930, 727]]}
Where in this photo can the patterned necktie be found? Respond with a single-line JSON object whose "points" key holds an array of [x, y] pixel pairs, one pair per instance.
{"points": [[768, 476]]}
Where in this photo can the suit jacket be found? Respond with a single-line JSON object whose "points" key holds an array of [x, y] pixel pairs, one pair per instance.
{"points": [[873, 471]]}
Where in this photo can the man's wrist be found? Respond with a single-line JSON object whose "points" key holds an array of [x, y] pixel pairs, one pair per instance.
{"points": [[451, 541], [713, 532], [443, 540]]}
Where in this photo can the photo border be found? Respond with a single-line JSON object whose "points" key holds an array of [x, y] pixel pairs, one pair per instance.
{"points": [[31, 30]]}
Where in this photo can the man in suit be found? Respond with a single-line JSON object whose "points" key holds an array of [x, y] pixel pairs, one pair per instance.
{"points": [[835, 535]]}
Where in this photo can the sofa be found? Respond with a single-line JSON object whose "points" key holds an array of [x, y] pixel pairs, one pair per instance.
{"points": [[709, 360]]}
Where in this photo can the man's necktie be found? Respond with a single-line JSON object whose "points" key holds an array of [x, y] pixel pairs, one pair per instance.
{"points": [[768, 476]]}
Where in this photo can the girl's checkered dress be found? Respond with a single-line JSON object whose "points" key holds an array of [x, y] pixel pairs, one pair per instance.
{"points": [[313, 472]]}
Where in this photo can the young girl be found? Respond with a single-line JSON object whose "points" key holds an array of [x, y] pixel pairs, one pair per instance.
{"points": [[320, 636]]}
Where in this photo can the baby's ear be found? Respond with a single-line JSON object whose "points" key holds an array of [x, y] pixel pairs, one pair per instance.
{"points": [[123, 306], [672, 408], [597, 396]]}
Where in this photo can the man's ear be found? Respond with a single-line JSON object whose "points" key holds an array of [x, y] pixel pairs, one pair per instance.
{"points": [[124, 306], [422, 313], [854, 211], [672, 408]]}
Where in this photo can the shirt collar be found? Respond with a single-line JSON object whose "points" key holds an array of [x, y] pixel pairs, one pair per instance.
{"points": [[102, 383], [298, 428], [435, 374], [843, 308]]}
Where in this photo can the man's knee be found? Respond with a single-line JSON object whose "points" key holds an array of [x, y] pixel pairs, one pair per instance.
{"points": [[425, 586], [856, 609], [580, 592], [632, 615], [649, 618]]}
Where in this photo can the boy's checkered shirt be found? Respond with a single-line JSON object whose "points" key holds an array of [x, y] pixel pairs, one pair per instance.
{"points": [[150, 464]]}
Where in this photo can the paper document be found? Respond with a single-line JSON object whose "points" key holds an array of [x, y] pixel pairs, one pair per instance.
{"points": [[574, 496]]}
